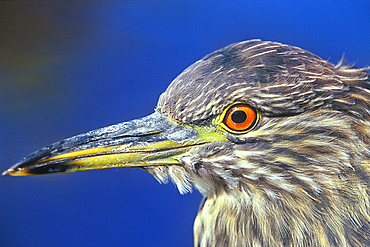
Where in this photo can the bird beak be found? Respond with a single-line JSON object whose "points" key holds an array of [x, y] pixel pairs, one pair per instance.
{"points": [[150, 141]]}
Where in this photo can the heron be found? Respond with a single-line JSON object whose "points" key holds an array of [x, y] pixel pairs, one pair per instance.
{"points": [[275, 138]]}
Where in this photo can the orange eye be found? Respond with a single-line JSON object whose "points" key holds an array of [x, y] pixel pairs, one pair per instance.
{"points": [[240, 118]]}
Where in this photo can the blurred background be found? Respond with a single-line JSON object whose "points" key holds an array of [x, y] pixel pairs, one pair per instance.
{"points": [[67, 67]]}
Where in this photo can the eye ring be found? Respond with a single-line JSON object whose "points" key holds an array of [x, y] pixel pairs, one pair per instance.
{"points": [[239, 118]]}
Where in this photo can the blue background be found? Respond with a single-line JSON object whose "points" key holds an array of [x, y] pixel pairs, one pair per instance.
{"points": [[68, 67]]}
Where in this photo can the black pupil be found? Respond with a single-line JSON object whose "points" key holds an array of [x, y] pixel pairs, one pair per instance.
{"points": [[239, 116]]}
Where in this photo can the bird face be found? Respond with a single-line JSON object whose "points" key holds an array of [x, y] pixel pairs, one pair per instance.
{"points": [[274, 136]]}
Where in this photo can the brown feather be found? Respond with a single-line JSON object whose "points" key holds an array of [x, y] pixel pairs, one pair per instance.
{"points": [[301, 177]]}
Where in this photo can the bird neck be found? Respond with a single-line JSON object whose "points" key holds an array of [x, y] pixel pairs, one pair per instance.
{"points": [[251, 218]]}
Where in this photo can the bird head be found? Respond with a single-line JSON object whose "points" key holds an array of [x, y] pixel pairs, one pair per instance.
{"points": [[256, 127]]}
